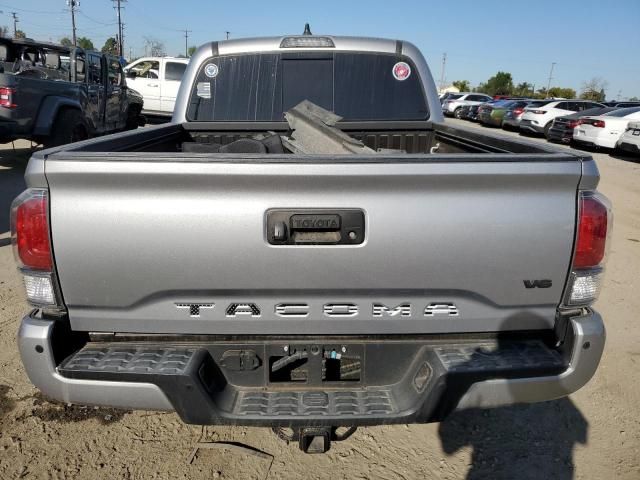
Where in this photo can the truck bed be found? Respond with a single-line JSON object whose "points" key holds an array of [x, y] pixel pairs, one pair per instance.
{"points": [[407, 137]]}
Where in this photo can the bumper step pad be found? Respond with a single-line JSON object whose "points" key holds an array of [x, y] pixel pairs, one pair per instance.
{"points": [[203, 391], [495, 357], [132, 360], [335, 403]]}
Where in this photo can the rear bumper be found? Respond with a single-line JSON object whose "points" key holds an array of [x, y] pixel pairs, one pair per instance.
{"points": [[513, 122], [628, 147], [430, 383], [561, 135], [529, 126]]}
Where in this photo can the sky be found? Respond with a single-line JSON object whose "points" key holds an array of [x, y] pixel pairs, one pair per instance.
{"points": [[585, 38]]}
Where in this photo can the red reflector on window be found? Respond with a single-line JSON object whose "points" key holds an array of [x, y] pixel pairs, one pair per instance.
{"points": [[30, 230], [592, 233]]}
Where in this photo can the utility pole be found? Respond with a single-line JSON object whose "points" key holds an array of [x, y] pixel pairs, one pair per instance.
{"points": [[444, 64], [15, 24], [227, 35], [118, 7], [72, 6], [553, 64], [186, 42]]}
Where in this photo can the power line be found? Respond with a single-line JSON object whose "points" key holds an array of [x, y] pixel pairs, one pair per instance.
{"points": [[31, 11], [96, 21]]}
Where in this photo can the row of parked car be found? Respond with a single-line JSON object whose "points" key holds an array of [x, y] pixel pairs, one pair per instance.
{"points": [[601, 125]]}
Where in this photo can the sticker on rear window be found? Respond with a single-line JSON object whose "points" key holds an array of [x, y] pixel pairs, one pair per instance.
{"points": [[203, 90], [401, 71], [211, 70]]}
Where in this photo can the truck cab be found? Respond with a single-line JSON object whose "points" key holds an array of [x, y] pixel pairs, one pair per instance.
{"points": [[158, 80]]}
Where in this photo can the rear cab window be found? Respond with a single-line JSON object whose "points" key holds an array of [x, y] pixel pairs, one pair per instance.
{"points": [[146, 69], [174, 70], [95, 69], [115, 71], [358, 86]]}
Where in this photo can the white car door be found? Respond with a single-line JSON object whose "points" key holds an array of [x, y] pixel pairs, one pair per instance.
{"points": [[146, 82], [173, 70]]}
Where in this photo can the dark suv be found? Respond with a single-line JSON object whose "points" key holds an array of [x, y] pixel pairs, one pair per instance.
{"points": [[54, 95]]}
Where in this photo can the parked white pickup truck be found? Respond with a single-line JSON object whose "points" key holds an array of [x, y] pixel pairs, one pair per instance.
{"points": [[158, 80]]}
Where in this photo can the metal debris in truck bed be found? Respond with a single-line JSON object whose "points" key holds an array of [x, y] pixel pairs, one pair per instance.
{"points": [[314, 132]]}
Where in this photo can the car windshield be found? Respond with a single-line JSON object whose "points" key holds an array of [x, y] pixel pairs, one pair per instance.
{"points": [[538, 103], [623, 112], [262, 86]]}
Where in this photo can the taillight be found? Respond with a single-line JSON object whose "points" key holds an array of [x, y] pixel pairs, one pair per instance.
{"points": [[518, 111], [6, 97], [597, 123], [574, 123], [30, 230], [593, 230], [32, 245]]}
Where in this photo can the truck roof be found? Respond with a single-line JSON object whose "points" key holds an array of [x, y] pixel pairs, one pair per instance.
{"points": [[307, 42]]}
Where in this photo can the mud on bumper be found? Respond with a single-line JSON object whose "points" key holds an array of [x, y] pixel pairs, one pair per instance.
{"points": [[373, 381]]}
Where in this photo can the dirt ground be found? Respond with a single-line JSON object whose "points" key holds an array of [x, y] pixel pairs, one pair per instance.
{"points": [[594, 434]]}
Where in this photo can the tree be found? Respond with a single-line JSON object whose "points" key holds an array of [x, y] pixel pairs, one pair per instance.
{"points": [[500, 84], [594, 90], [523, 89], [634, 99], [84, 42], [562, 92], [110, 46], [191, 50], [20, 34], [462, 85], [66, 42], [154, 46]]}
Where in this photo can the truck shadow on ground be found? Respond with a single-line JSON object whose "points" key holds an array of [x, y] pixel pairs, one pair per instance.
{"points": [[523, 441], [626, 157]]}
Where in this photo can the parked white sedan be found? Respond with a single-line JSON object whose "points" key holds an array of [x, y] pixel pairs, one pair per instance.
{"points": [[605, 130], [630, 139], [540, 119], [452, 106]]}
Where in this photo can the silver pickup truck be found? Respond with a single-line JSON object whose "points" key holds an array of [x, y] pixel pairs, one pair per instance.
{"points": [[214, 267]]}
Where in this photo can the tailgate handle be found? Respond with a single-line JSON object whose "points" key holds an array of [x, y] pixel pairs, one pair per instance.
{"points": [[315, 227]]}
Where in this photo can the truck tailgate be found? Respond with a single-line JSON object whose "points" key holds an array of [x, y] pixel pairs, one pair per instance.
{"points": [[450, 246]]}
